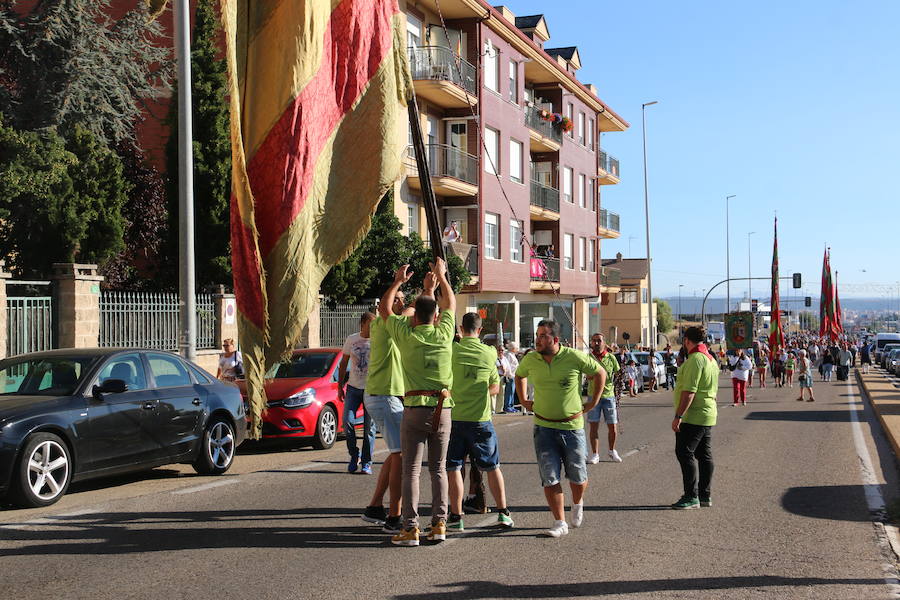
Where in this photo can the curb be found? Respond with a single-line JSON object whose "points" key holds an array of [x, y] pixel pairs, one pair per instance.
{"points": [[892, 434]]}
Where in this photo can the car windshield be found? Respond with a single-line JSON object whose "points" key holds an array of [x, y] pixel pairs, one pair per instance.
{"points": [[51, 376], [641, 358], [304, 364]]}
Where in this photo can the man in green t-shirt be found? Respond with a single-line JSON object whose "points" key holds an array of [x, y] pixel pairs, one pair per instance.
{"points": [[555, 372], [606, 410], [696, 388], [475, 380], [425, 349]]}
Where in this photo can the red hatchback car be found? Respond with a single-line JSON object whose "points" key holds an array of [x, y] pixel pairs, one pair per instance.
{"points": [[302, 398]]}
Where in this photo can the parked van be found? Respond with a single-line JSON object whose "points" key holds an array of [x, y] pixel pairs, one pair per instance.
{"points": [[882, 340]]}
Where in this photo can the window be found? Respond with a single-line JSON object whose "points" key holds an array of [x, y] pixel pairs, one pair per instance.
{"points": [[515, 241], [413, 31], [644, 295], [515, 161], [570, 113], [581, 186], [491, 67], [513, 81], [581, 139], [626, 297], [592, 257], [491, 235], [567, 184], [592, 189], [590, 134], [582, 254], [412, 215], [492, 143], [168, 371], [127, 367], [568, 242]]}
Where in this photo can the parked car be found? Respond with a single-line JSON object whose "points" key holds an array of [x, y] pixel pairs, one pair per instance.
{"points": [[302, 398], [883, 339], [892, 360], [885, 352], [73, 414], [659, 368]]}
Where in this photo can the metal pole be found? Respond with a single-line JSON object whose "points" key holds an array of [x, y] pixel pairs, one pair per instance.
{"points": [[749, 274], [728, 255], [187, 337], [652, 325], [680, 285]]}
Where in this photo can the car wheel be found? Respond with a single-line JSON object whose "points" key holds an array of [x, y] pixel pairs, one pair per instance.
{"points": [[326, 429], [43, 473], [217, 448]]}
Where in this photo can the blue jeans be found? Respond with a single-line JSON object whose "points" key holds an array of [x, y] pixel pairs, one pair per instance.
{"points": [[477, 440], [353, 399], [509, 395], [557, 448]]}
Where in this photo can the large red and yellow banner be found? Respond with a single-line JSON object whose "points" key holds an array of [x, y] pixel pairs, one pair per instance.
{"points": [[318, 94]]}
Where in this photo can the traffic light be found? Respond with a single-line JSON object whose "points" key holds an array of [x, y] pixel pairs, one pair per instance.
{"points": [[797, 281], [754, 306], [807, 301]]}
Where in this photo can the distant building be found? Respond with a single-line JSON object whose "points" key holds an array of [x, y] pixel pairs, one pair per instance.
{"points": [[625, 310]]}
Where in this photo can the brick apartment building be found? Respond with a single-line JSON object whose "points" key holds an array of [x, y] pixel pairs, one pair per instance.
{"points": [[494, 72]]}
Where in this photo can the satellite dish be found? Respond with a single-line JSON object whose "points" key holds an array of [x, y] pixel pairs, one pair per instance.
{"points": [[626, 336]]}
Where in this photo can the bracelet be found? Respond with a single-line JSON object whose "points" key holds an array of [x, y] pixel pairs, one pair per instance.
{"points": [[679, 416]]}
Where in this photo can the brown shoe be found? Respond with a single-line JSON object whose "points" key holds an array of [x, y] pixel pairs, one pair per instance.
{"points": [[811, 400]]}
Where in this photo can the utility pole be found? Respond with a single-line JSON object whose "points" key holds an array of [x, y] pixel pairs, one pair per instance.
{"points": [[728, 256], [652, 324]]}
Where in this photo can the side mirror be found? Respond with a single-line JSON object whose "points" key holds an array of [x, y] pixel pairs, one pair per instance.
{"points": [[110, 386]]}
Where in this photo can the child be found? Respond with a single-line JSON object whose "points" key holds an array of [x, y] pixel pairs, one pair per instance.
{"points": [[631, 373]]}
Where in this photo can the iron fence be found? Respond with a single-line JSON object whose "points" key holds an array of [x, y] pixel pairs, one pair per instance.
{"points": [[544, 196], [545, 269], [340, 321], [447, 161], [609, 220], [441, 64], [150, 320], [534, 121], [609, 163], [29, 324]]}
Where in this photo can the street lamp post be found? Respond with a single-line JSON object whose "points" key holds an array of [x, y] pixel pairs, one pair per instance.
{"points": [[652, 326], [727, 256], [750, 282], [680, 285]]}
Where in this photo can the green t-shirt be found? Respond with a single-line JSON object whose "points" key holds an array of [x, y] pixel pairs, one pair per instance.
{"points": [[474, 372], [557, 385], [699, 375], [610, 364], [426, 354], [385, 373]]}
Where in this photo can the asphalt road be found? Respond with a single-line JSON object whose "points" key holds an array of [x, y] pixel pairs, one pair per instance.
{"points": [[791, 519]]}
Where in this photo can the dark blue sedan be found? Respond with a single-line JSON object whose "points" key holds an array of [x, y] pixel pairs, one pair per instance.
{"points": [[68, 415]]}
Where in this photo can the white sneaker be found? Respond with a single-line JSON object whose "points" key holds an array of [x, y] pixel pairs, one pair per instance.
{"points": [[614, 456], [593, 459], [559, 529], [577, 514]]}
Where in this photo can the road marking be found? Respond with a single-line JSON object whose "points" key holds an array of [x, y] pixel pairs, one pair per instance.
{"points": [[208, 486], [456, 536], [515, 424], [49, 519], [305, 466], [886, 534]]}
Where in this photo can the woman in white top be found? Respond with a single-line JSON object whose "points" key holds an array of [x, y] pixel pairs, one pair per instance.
{"points": [[804, 366], [231, 363], [740, 367]]}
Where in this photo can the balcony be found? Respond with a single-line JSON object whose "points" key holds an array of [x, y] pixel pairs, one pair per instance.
{"points": [[453, 172], [442, 77], [545, 137], [544, 202], [610, 279], [544, 273], [609, 225], [608, 171], [469, 255]]}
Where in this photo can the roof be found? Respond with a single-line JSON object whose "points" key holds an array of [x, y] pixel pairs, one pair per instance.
{"points": [[567, 52], [631, 268], [529, 21]]}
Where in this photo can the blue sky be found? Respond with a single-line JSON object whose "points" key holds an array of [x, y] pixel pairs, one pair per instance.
{"points": [[794, 106]]}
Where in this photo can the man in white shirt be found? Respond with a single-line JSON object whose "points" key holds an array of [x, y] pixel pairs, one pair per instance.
{"points": [[509, 389], [504, 370], [356, 353]]}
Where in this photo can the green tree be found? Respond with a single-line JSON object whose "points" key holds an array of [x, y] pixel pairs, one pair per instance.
{"points": [[369, 270], [67, 63], [60, 200], [664, 320], [212, 155]]}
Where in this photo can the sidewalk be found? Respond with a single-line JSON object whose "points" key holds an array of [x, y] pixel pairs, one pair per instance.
{"points": [[885, 399]]}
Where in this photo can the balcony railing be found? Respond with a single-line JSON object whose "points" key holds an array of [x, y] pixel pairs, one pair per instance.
{"points": [[544, 269], [442, 64], [447, 161], [534, 121], [544, 196], [609, 220], [609, 163], [467, 252], [610, 277]]}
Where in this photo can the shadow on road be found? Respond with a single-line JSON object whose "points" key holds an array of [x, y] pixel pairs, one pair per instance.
{"points": [[810, 416], [490, 589], [835, 502]]}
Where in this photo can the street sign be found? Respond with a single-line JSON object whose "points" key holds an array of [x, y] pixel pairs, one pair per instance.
{"points": [[739, 330]]}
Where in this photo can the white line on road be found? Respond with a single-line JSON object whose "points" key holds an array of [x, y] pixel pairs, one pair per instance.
{"points": [[207, 486], [515, 424], [887, 535], [306, 466], [454, 537]]}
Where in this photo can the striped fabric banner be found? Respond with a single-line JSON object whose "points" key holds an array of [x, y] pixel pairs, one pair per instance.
{"points": [[318, 94]]}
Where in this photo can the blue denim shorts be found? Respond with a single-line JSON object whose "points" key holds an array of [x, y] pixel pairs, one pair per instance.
{"points": [[605, 409], [477, 440], [387, 412], [558, 448]]}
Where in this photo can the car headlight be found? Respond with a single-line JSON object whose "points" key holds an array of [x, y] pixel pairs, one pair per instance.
{"points": [[301, 399]]}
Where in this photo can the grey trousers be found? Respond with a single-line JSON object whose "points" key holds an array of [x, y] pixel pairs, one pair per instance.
{"points": [[415, 433]]}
